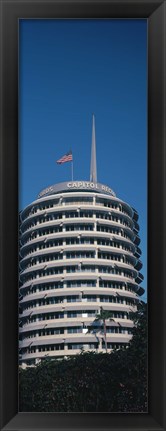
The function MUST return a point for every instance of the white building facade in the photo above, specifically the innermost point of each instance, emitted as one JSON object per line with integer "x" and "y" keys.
{"x": 79, "y": 252}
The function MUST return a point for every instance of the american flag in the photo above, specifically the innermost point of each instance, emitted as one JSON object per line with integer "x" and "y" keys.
{"x": 66, "y": 158}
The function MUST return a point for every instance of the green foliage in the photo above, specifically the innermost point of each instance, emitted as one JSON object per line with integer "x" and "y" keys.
{"x": 91, "y": 382}
{"x": 104, "y": 315}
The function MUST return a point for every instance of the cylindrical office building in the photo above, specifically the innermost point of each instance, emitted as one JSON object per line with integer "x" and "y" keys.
{"x": 79, "y": 253}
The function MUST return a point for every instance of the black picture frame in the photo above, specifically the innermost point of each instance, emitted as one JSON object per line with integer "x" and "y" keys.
{"x": 155, "y": 13}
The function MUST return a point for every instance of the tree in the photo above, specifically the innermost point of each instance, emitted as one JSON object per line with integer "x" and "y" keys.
{"x": 131, "y": 366}
{"x": 102, "y": 316}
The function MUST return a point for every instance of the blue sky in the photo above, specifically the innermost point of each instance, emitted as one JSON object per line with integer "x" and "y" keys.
{"x": 69, "y": 69}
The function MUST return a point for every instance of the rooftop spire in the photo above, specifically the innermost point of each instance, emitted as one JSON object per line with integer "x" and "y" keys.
{"x": 93, "y": 167}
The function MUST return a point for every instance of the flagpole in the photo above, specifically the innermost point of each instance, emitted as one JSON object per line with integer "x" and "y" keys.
{"x": 72, "y": 170}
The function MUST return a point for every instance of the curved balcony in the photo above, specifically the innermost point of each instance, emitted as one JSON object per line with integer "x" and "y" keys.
{"x": 77, "y": 234}
{"x": 82, "y": 306}
{"x": 78, "y": 196}
{"x": 74, "y": 338}
{"x": 30, "y": 327}
{"x": 66, "y": 352}
{"x": 78, "y": 266}
{"x": 65, "y": 292}
{"x": 78, "y": 248}
{"x": 82, "y": 276}
{"x": 137, "y": 240}
{"x": 94, "y": 217}
{"x": 64, "y": 211}
{"x": 64, "y": 323}
{"x": 138, "y": 265}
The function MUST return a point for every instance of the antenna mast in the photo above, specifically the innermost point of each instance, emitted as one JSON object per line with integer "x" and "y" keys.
{"x": 93, "y": 166}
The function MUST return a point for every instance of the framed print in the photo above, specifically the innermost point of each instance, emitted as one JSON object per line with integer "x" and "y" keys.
{"x": 82, "y": 274}
{"x": 33, "y": 351}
